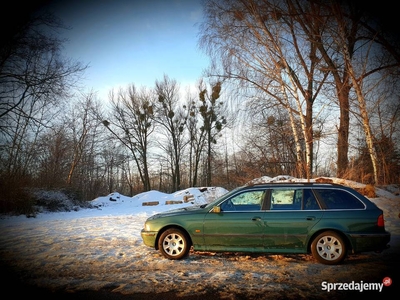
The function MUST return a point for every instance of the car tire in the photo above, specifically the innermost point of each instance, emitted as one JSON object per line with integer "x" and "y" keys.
{"x": 173, "y": 244}
{"x": 329, "y": 248}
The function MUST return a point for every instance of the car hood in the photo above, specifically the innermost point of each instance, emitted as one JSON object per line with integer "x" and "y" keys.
{"x": 178, "y": 211}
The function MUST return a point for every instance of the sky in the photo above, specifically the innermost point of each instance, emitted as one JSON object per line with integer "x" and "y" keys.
{"x": 100, "y": 249}
{"x": 136, "y": 41}
{"x": 133, "y": 41}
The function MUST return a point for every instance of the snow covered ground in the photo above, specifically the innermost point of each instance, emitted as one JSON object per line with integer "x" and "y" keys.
{"x": 100, "y": 251}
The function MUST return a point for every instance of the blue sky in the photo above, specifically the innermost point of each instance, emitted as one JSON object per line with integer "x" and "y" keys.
{"x": 133, "y": 41}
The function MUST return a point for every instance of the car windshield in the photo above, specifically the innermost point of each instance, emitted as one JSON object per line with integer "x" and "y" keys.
{"x": 224, "y": 196}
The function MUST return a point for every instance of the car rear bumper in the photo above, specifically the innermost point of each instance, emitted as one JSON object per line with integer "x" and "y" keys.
{"x": 370, "y": 242}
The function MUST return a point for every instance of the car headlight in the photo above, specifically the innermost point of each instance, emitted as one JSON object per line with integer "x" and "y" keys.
{"x": 147, "y": 227}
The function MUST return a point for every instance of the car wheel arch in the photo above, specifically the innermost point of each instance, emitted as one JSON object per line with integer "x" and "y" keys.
{"x": 345, "y": 238}
{"x": 162, "y": 230}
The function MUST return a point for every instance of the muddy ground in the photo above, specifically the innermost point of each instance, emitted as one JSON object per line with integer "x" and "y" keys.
{"x": 205, "y": 276}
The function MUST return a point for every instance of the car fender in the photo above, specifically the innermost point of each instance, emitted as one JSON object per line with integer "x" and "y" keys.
{"x": 324, "y": 226}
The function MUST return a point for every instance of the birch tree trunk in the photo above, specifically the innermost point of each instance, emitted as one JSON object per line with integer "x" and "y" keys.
{"x": 293, "y": 125}
{"x": 357, "y": 85}
{"x": 366, "y": 126}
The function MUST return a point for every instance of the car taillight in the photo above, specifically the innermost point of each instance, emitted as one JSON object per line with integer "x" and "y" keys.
{"x": 381, "y": 221}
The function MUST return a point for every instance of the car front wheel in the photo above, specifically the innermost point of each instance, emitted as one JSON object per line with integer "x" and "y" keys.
{"x": 173, "y": 244}
{"x": 329, "y": 248}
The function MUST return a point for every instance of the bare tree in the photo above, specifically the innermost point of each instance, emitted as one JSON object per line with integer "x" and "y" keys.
{"x": 269, "y": 141}
{"x": 388, "y": 132}
{"x": 68, "y": 154}
{"x": 211, "y": 110}
{"x": 34, "y": 79}
{"x": 82, "y": 122}
{"x": 368, "y": 55}
{"x": 290, "y": 49}
{"x": 316, "y": 19}
{"x": 172, "y": 118}
{"x": 259, "y": 45}
{"x": 131, "y": 123}
{"x": 51, "y": 160}
{"x": 31, "y": 67}
{"x": 196, "y": 139}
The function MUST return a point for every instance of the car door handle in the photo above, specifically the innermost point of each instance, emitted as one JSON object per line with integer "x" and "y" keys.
{"x": 310, "y": 218}
{"x": 256, "y": 219}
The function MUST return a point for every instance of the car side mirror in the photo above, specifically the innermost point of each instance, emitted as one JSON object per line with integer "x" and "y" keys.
{"x": 216, "y": 209}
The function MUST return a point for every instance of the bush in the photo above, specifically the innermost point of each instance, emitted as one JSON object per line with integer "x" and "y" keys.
{"x": 18, "y": 200}
{"x": 14, "y": 198}
{"x": 58, "y": 200}
{"x": 368, "y": 191}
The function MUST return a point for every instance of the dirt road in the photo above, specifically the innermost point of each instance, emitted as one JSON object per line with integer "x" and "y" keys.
{"x": 208, "y": 276}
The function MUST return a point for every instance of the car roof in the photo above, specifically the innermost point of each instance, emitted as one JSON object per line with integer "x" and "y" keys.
{"x": 305, "y": 184}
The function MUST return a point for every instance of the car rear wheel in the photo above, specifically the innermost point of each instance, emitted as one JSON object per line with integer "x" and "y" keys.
{"x": 329, "y": 248}
{"x": 173, "y": 244}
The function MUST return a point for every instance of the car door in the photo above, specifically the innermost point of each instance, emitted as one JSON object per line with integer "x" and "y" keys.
{"x": 238, "y": 226}
{"x": 292, "y": 214}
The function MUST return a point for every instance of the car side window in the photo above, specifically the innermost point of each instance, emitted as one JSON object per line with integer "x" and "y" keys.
{"x": 286, "y": 199}
{"x": 309, "y": 201}
{"x": 249, "y": 200}
{"x": 338, "y": 199}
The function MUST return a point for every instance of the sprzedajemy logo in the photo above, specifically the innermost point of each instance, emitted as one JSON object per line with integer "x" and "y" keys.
{"x": 355, "y": 286}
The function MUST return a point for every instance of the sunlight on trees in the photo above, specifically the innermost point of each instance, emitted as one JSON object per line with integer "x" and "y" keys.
{"x": 293, "y": 54}
{"x": 301, "y": 88}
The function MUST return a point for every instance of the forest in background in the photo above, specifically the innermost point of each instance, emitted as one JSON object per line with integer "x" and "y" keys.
{"x": 301, "y": 88}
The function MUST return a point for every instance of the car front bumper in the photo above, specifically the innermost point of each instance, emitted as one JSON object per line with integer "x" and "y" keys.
{"x": 149, "y": 238}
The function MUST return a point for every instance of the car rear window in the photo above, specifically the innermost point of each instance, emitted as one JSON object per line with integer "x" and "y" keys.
{"x": 310, "y": 203}
{"x": 338, "y": 199}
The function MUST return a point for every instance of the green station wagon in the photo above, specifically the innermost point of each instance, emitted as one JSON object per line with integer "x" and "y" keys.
{"x": 327, "y": 220}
